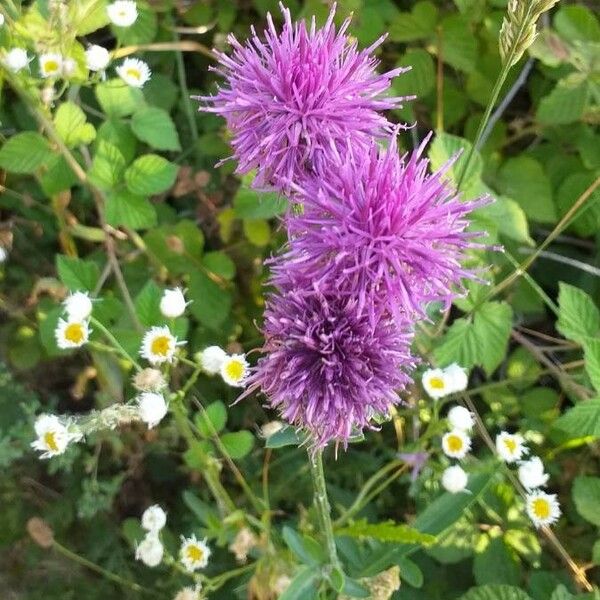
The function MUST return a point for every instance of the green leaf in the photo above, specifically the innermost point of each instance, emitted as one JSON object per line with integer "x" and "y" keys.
{"x": 118, "y": 133}
{"x": 58, "y": 176}
{"x": 591, "y": 349}
{"x": 578, "y": 316}
{"x": 147, "y": 304}
{"x": 108, "y": 166}
{"x": 304, "y": 547}
{"x": 459, "y": 45}
{"x": 117, "y": 99}
{"x": 507, "y": 217}
{"x": 238, "y": 444}
{"x": 523, "y": 179}
{"x": 212, "y": 420}
{"x": 411, "y": 572}
{"x": 577, "y": 24}
{"x": 71, "y": 126}
{"x": 127, "y": 210}
{"x": 586, "y": 493}
{"x": 87, "y": 16}
{"x": 582, "y": 420}
{"x": 564, "y": 104}
{"x": 386, "y": 531}
{"x": 561, "y": 593}
{"x": 420, "y": 80}
{"x": 257, "y": 231}
{"x": 415, "y": 25}
{"x": 496, "y": 564}
{"x": 302, "y": 586}
{"x": 250, "y": 204}
{"x": 219, "y": 263}
{"x": 150, "y": 174}
{"x": 284, "y": 437}
{"x": 24, "y": 152}
{"x": 481, "y": 340}
{"x": 210, "y": 302}
{"x": 155, "y": 127}
{"x": 143, "y": 31}
{"x": 77, "y": 274}
{"x": 495, "y": 592}
{"x": 206, "y": 513}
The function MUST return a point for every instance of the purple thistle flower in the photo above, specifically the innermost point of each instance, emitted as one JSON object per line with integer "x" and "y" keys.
{"x": 298, "y": 96}
{"x": 378, "y": 227}
{"x": 328, "y": 367}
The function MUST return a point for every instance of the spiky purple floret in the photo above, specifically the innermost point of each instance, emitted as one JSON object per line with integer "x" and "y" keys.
{"x": 296, "y": 96}
{"x": 328, "y": 367}
{"x": 378, "y": 226}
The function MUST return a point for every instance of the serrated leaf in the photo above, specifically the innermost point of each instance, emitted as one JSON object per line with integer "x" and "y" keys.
{"x": 591, "y": 349}
{"x": 561, "y": 593}
{"x": 77, "y": 274}
{"x": 211, "y": 303}
{"x": 577, "y": 24}
{"x": 496, "y": 564}
{"x": 218, "y": 262}
{"x": 257, "y": 231}
{"x": 87, "y": 16}
{"x": 586, "y": 492}
{"x": 118, "y": 133}
{"x": 387, "y": 531}
{"x": 143, "y": 30}
{"x": 108, "y": 166}
{"x": 415, "y": 25}
{"x": 127, "y": 210}
{"x": 250, "y": 204}
{"x": 578, "y": 316}
{"x": 117, "y": 99}
{"x": 459, "y": 45}
{"x": 507, "y": 217}
{"x": 58, "y": 176}
{"x": 420, "y": 80}
{"x": 495, "y": 592}
{"x": 147, "y": 304}
{"x": 564, "y": 104}
{"x": 212, "y": 420}
{"x": 582, "y": 420}
{"x": 24, "y": 152}
{"x": 71, "y": 126}
{"x": 150, "y": 174}
{"x": 155, "y": 127}
{"x": 238, "y": 443}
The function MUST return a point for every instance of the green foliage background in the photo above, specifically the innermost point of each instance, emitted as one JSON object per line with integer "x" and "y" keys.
{"x": 171, "y": 217}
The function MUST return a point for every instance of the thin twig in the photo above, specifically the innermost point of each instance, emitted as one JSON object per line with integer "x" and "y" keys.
{"x": 181, "y": 46}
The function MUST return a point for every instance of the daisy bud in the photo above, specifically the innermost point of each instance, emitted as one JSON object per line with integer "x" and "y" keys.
{"x": 16, "y": 59}
{"x": 78, "y": 306}
{"x": 149, "y": 380}
{"x": 194, "y": 553}
{"x": 458, "y": 378}
{"x": 3, "y": 254}
{"x": 531, "y": 473}
{"x": 1, "y": 19}
{"x": 172, "y": 303}
{"x": 543, "y": 509}
{"x": 461, "y": 418}
{"x": 234, "y": 370}
{"x": 97, "y": 58}
{"x": 152, "y": 408}
{"x": 436, "y": 383}
{"x": 189, "y": 593}
{"x": 150, "y": 550}
{"x": 154, "y": 518}
{"x": 122, "y": 13}
{"x": 456, "y": 444}
{"x": 68, "y": 67}
{"x": 244, "y": 541}
{"x": 211, "y": 359}
{"x": 454, "y": 479}
{"x": 510, "y": 447}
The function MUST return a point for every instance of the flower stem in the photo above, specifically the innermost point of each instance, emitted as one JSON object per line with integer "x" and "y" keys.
{"x": 315, "y": 459}
{"x": 113, "y": 340}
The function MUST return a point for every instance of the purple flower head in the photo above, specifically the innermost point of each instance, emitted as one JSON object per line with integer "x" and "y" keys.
{"x": 328, "y": 367}
{"x": 379, "y": 227}
{"x": 295, "y": 97}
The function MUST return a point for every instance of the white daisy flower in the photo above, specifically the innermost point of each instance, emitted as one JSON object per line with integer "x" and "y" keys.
{"x": 71, "y": 333}
{"x": 436, "y": 383}
{"x": 194, "y": 553}
{"x": 456, "y": 443}
{"x": 458, "y": 378}
{"x": 234, "y": 370}
{"x": 97, "y": 58}
{"x": 543, "y": 509}
{"x": 154, "y": 518}
{"x": 461, "y": 418}
{"x": 51, "y": 64}
{"x": 68, "y": 67}
{"x": 152, "y": 408}
{"x": 78, "y": 306}
{"x": 1, "y": 19}
{"x": 211, "y": 359}
{"x": 189, "y": 593}
{"x": 53, "y": 436}
{"x": 134, "y": 72}
{"x": 3, "y": 254}
{"x": 531, "y": 473}
{"x": 16, "y": 59}
{"x": 454, "y": 479}
{"x": 122, "y": 13}
{"x": 510, "y": 447}
{"x": 150, "y": 550}
{"x": 172, "y": 303}
{"x": 159, "y": 345}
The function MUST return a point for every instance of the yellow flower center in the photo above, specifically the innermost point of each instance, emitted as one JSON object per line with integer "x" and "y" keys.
{"x": 234, "y": 370}
{"x": 134, "y": 73}
{"x": 437, "y": 383}
{"x": 194, "y": 553}
{"x": 455, "y": 443}
{"x": 50, "y": 441}
{"x": 541, "y": 508}
{"x": 50, "y": 66}
{"x": 75, "y": 333}
{"x": 511, "y": 445}
{"x": 160, "y": 345}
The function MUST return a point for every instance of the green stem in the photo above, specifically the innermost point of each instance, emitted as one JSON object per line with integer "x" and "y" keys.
{"x": 315, "y": 459}
{"x": 113, "y": 340}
